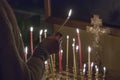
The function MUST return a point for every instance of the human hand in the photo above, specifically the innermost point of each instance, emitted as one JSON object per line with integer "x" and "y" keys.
{"x": 48, "y": 46}
{"x": 52, "y": 44}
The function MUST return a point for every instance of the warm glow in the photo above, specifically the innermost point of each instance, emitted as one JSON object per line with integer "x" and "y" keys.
{"x": 46, "y": 62}
{"x": 41, "y": 31}
{"x": 26, "y": 50}
{"x": 31, "y": 29}
{"x": 77, "y": 47}
{"x": 77, "y": 30}
{"x": 104, "y": 68}
{"x": 89, "y": 49}
{"x": 92, "y": 64}
{"x": 67, "y": 36}
{"x": 45, "y": 30}
{"x": 84, "y": 71}
{"x": 61, "y": 51}
{"x": 97, "y": 69}
{"x": 84, "y": 66}
{"x": 70, "y": 12}
{"x": 73, "y": 45}
{"x": 73, "y": 39}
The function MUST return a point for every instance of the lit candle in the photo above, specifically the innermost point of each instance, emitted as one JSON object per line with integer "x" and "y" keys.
{"x": 74, "y": 57}
{"x": 92, "y": 64}
{"x": 68, "y": 17}
{"x": 97, "y": 71}
{"x": 77, "y": 47}
{"x": 89, "y": 51}
{"x": 40, "y": 35}
{"x": 79, "y": 44}
{"x": 45, "y": 33}
{"x": 31, "y": 40}
{"x": 26, "y": 52}
{"x": 104, "y": 71}
{"x": 84, "y": 71}
{"x": 69, "y": 14}
{"x": 67, "y": 49}
{"x": 60, "y": 60}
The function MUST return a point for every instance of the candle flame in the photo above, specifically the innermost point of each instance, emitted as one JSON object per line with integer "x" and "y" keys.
{"x": 104, "y": 68}
{"x": 73, "y": 45}
{"x": 46, "y": 62}
{"x": 89, "y": 49}
{"x": 84, "y": 66}
{"x": 31, "y": 29}
{"x": 26, "y": 50}
{"x": 73, "y": 39}
{"x": 69, "y": 14}
{"x": 61, "y": 51}
{"x": 97, "y": 69}
{"x": 77, "y": 30}
{"x": 67, "y": 36}
{"x": 77, "y": 47}
{"x": 92, "y": 64}
{"x": 41, "y": 31}
{"x": 45, "y": 30}
{"x": 84, "y": 70}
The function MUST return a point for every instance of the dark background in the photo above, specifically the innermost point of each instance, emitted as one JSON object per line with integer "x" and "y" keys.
{"x": 108, "y": 10}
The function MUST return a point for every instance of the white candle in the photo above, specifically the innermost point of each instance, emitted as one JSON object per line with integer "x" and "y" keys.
{"x": 104, "y": 70}
{"x": 46, "y": 62}
{"x": 92, "y": 64}
{"x": 77, "y": 47}
{"x": 84, "y": 65}
{"x": 67, "y": 47}
{"x": 40, "y": 35}
{"x": 84, "y": 71}
{"x": 45, "y": 33}
{"x": 26, "y": 52}
{"x": 69, "y": 14}
{"x": 97, "y": 70}
{"x": 89, "y": 51}
{"x": 74, "y": 57}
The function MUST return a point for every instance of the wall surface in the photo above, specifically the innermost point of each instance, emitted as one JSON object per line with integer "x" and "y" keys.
{"x": 109, "y": 52}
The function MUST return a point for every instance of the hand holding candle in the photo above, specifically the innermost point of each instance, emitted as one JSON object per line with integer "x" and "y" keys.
{"x": 69, "y": 14}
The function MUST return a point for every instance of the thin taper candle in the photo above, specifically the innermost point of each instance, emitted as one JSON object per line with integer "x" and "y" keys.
{"x": 40, "y": 35}
{"x": 31, "y": 40}
{"x": 26, "y": 52}
{"x": 45, "y": 33}
{"x": 67, "y": 49}
{"x": 79, "y": 44}
{"x": 69, "y": 14}
{"x": 74, "y": 58}
{"x": 89, "y": 69}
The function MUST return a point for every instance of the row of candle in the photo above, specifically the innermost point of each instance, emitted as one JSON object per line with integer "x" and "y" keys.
{"x": 31, "y": 40}
{"x": 78, "y": 48}
{"x": 91, "y": 69}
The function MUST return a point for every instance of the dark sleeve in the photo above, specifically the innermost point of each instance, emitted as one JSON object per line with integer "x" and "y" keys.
{"x": 12, "y": 67}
